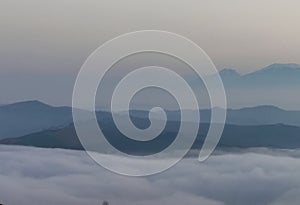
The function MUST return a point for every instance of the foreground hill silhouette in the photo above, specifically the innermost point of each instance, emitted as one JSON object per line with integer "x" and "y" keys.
{"x": 271, "y": 136}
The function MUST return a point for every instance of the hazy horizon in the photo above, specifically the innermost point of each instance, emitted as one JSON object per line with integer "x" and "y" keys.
{"x": 243, "y": 90}
{"x": 44, "y": 44}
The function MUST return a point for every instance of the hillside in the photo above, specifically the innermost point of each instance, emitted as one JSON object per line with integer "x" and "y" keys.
{"x": 272, "y": 136}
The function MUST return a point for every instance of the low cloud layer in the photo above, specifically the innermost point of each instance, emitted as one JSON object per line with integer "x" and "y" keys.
{"x": 32, "y": 176}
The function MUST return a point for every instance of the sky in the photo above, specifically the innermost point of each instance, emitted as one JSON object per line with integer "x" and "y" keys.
{"x": 258, "y": 176}
{"x": 44, "y": 43}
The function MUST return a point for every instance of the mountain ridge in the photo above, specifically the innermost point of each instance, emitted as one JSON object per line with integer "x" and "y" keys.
{"x": 272, "y": 67}
{"x": 28, "y": 117}
{"x": 234, "y": 136}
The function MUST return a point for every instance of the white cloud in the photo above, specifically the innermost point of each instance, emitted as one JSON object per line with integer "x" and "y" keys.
{"x": 32, "y": 176}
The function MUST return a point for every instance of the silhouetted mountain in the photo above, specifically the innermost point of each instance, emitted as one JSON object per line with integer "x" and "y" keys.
{"x": 272, "y": 136}
{"x": 263, "y": 115}
{"x": 260, "y": 115}
{"x": 229, "y": 74}
{"x": 60, "y": 138}
{"x": 277, "y": 72}
{"x": 285, "y": 74}
{"x": 277, "y": 84}
{"x": 23, "y": 118}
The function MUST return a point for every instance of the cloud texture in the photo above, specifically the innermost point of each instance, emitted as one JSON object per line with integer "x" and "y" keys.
{"x": 32, "y": 176}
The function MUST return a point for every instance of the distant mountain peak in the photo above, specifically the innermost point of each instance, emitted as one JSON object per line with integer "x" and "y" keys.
{"x": 30, "y": 103}
{"x": 282, "y": 66}
{"x": 263, "y": 107}
{"x": 229, "y": 72}
{"x": 285, "y": 73}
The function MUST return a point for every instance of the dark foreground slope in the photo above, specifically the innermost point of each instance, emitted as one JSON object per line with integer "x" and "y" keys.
{"x": 271, "y": 136}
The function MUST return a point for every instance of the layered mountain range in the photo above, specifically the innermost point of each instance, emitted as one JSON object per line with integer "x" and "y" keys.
{"x": 37, "y": 124}
{"x": 34, "y": 123}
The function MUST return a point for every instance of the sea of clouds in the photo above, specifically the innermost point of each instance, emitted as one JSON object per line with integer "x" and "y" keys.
{"x": 34, "y": 176}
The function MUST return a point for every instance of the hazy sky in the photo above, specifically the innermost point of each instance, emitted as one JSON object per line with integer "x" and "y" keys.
{"x": 52, "y": 38}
